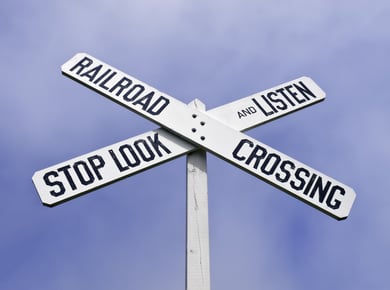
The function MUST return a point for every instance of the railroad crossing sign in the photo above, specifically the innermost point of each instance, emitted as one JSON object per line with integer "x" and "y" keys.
{"x": 185, "y": 129}
{"x": 189, "y": 129}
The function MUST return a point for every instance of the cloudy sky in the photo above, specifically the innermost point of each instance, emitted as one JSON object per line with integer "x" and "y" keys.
{"x": 131, "y": 234}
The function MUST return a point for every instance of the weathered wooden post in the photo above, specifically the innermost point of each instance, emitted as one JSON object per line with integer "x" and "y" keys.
{"x": 197, "y": 248}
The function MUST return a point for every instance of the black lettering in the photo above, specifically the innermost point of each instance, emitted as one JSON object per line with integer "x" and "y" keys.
{"x": 146, "y": 157}
{"x": 96, "y": 166}
{"x": 276, "y": 160}
{"x": 294, "y": 94}
{"x": 322, "y": 190}
{"x": 302, "y": 182}
{"x": 305, "y": 91}
{"x": 156, "y": 143}
{"x": 65, "y": 170}
{"x": 309, "y": 185}
{"x": 102, "y": 76}
{"x": 256, "y": 156}
{"x": 247, "y": 111}
{"x": 159, "y": 105}
{"x": 61, "y": 188}
{"x": 238, "y": 148}
{"x": 251, "y": 110}
{"x": 334, "y": 203}
{"x": 144, "y": 101}
{"x": 124, "y": 83}
{"x": 261, "y": 108}
{"x": 287, "y": 173}
{"x": 117, "y": 162}
{"x": 139, "y": 89}
{"x": 82, "y": 64}
{"x": 281, "y": 105}
{"x": 269, "y": 104}
{"x": 92, "y": 73}
{"x": 240, "y": 115}
{"x": 132, "y": 163}
{"x": 85, "y": 180}
{"x": 103, "y": 83}
{"x": 281, "y": 91}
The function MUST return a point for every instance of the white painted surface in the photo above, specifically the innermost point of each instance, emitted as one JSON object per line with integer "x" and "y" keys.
{"x": 270, "y": 104}
{"x": 197, "y": 127}
{"x": 197, "y": 253}
{"x": 62, "y": 181}
{"x": 110, "y": 173}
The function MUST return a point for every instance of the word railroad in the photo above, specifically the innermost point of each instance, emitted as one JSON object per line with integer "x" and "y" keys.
{"x": 186, "y": 129}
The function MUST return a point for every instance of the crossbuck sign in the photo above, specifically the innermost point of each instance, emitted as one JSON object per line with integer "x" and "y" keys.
{"x": 186, "y": 129}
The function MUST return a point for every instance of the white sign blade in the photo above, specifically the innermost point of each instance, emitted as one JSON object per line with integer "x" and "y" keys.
{"x": 270, "y": 104}
{"x": 199, "y": 128}
{"x": 278, "y": 169}
{"x": 149, "y": 102}
{"x": 85, "y": 173}
{"x": 230, "y": 113}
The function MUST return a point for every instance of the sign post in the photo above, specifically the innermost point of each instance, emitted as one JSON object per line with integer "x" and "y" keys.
{"x": 197, "y": 252}
{"x": 189, "y": 129}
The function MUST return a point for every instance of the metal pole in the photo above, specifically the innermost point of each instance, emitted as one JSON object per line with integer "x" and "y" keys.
{"x": 197, "y": 255}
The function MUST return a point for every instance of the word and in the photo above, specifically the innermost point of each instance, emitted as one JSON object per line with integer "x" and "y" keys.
{"x": 280, "y": 99}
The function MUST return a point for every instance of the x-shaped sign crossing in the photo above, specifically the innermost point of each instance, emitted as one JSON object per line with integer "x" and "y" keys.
{"x": 185, "y": 129}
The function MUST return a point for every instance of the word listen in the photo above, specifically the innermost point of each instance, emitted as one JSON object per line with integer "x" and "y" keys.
{"x": 123, "y": 87}
{"x": 280, "y": 99}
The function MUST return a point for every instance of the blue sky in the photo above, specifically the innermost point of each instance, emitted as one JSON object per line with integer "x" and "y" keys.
{"x": 131, "y": 234}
